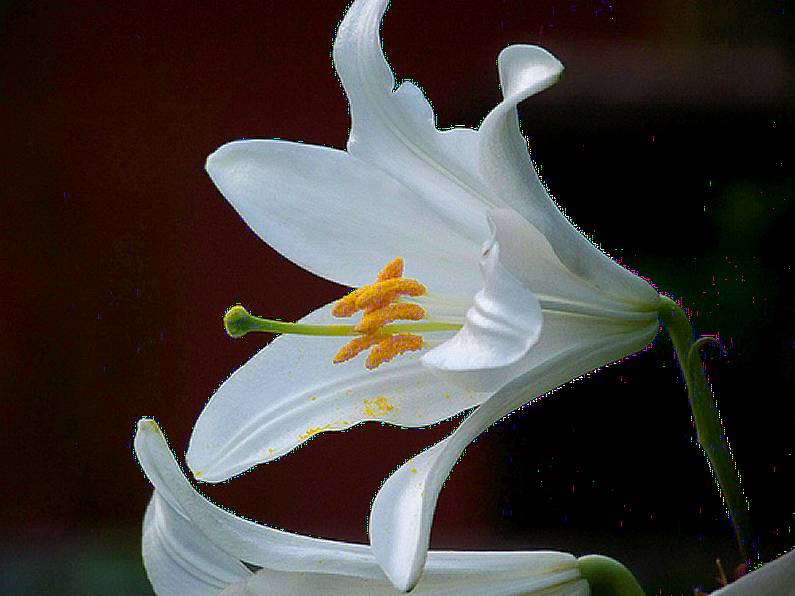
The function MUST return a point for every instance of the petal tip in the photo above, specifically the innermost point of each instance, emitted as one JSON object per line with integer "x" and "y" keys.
{"x": 526, "y": 70}
{"x": 205, "y": 469}
{"x": 148, "y": 425}
{"x": 197, "y": 469}
{"x": 216, "y": 159}
{"x": 403, "y": 578}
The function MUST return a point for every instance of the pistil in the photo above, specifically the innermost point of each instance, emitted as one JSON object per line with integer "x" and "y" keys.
{"x": 382, "y": 303}
{"x": 239, "y": 322}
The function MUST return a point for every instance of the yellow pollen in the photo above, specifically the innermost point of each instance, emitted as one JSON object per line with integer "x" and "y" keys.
{"x": 393, "y": 269}
{"x": 355, "y": 346}
{"x": 346, "y": 306}
{"x": 391, "y": 346}
{"x": 379, "y": 303}
{"x": 382, "y": 293}
{"x": 312, "y": 431}
{"x": 380, "y": 406}
{"x": 375, "y": 319}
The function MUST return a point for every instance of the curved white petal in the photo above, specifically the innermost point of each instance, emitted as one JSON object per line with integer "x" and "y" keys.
{"x": 339, "y": 217}
{"x": 565, "y": 581}
{"x": 506, "y": 166}
{"x": 502, "y": 324}
{"x": 569, "y": 346}
{"x": 395, "y": 129}
{"x": 529, "y": 269}
{"x": 182, "y": 525}
{"x": 776, "y": 578}
{"x": 179, "y": 559}
{"x": 291, "y": 390}
{"x": 531, "y": 257}
{"x": 240, "y": 538}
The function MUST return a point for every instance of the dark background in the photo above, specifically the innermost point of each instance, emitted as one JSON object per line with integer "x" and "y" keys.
{"x": 669, "y": 140}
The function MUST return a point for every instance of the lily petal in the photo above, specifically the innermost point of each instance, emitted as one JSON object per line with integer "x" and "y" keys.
{"x": 565, "y": 581}
{"x": 502, "y": 324}
{"x": 512, "y": 292}
{"x": 291, "y": 391}
{"x": 402, "y": 513}
{"x": 178, "y": 557}
{"x": 395, "y": 129}
{"x": 238, "y": 537}
{"x": 776, "y": 578}
{"x": 339, "y": 217}
{"x": 191, "y": 543}
{"x": 554, "y": 283}
{"x": 507, "y": 168}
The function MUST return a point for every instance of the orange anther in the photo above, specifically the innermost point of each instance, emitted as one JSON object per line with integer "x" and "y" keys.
{"x": 393, "y": 269}
{"x": 355, "y": 346}
{"x": 382, "y": 293}
{"x": 375, "y": 319}
{"x": 391, "y": 346}
{"x": 346, "y": 306}
{"x": 379, "y": 303}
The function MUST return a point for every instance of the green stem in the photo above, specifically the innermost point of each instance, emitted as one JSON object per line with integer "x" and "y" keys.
{"x": 608, "y": 577}
{"x": 709, "y": 427}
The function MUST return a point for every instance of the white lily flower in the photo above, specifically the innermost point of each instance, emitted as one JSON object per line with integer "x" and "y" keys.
{"x": 191, "y": 546}
{"x": 548, "y": 307}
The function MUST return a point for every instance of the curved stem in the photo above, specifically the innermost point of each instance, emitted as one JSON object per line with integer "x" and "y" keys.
{"x": 608, "y": 577}
{"x": 709, "y": 427}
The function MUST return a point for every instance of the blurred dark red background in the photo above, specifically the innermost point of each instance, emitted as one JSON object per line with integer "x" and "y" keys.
{"x": 669, "y": 139}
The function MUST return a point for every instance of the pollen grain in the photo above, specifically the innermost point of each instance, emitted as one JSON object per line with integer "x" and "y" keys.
{"x": 391, "y": 346}
{"x": 382, "y": 293}
{"x": 354, "y": 347}
{"x": 378, "y": 301}
{"x": 375, "y": 319}
{"x": 393, "y": 269}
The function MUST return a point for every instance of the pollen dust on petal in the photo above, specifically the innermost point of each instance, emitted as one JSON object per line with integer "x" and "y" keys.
{"x": 378, "y": 407}
{"x": 313, "y": 430}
